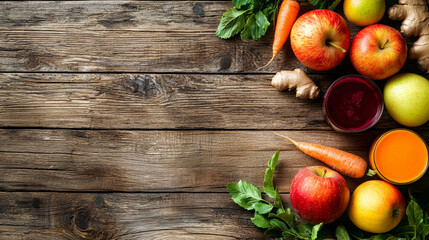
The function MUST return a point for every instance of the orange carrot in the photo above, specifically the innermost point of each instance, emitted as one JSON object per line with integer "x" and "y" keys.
{"x": 285, "y": 20}
{"x": 344, "y": 162}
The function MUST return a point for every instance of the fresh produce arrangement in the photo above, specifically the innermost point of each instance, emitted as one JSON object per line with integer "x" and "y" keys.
{"x": 375, "y": 206}
{"x": 320, "y": 39}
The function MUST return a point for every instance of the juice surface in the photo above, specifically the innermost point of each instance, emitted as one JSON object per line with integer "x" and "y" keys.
{"x": 401, "y": 156}
{"x": 353, "y": 103}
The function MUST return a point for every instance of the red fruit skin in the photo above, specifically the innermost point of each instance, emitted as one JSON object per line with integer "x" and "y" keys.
{"x": 319, "y": 199}
{"x": 371, "y": 61}
{"x": 309, "y": 36}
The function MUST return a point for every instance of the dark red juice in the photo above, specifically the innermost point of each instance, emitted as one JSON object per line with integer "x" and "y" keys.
{"x": 353, "y": 103}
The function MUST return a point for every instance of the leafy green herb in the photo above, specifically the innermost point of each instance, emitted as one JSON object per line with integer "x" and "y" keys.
{"x": 278, "y": 201}
{"x": 232, "y": 22}
{"x": 268, "y": 179}
{"x": 326, "y": 4}
{"x": 250, "y": 17}
{"x": 239, "y": 3}
{"x": 260, "y": 221}
{"x": 263, "y": 208}
{"x": 244, "y": 194}
{"x": 341, "y": 233}
{"x": 274, "y": 219}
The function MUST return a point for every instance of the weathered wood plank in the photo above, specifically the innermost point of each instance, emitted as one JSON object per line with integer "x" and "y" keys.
{"x": 154, "y": 101}
{"x": 120, "y": 37}
{"x": 158, "y": 161}
{"x": 124, "y": 216}
{"x": 152, "y": 16}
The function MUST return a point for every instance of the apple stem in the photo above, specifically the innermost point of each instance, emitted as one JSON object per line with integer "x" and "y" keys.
{"x": 324, "y": 172}
{"x": 337, "y": 46}
{"x": 384, "y": 44}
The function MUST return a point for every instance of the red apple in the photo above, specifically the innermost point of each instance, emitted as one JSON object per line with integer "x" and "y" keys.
{"x": 378, "y": 51}
{"x": 320, "y": 39}
{"x": 319, "y": 194}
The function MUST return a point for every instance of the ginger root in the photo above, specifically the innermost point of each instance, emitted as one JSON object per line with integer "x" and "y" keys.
{"x": 296, "y": 79}
{"x": 415, "y": 16}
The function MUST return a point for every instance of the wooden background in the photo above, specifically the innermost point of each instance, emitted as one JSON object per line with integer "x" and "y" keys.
{"x": 126, "y": 119}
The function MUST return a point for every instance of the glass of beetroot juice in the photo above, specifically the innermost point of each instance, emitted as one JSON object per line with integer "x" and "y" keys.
{"x": 352, "y": 103}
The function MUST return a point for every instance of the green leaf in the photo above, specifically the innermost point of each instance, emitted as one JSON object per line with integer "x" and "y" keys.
{"x": 315, "y": 231}
{"x": 273, "y": 232}
{"x": 262, "y": 208}
{"x": 288, "y": 218}
{"x": 231, "y": 23}
{"x": 256, "y": 26}
{"x": 260, "y": 221}
{"x": 277, "y": 200}
{"x": 425, "y": 231}
{"x": 414, "y": 213}
{"x": 268, "y": 179}
{"x": 239, "y": 3}
{"x": 277, "y": 223}
{"x": 269, "y": 13}
{"x": 395, "y": 238}
{"x": 341, "y": 233}
{"x": 305, "y": 229}
{"x": 288, "y": 235}
{"x": 244, "y": 194}
{"x": 415, "y": 218}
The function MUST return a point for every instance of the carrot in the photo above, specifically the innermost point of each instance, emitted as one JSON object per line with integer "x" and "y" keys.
{"x": 285, "y": 20}
{"x": 343, "y": 162}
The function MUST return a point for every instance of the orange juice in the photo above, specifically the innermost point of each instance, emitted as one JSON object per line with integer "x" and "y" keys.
{"x": 399, "y": 156}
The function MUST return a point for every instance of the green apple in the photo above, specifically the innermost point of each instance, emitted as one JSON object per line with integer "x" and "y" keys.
{"x": 406, "y": 97}
{"x": 364, "y": 12}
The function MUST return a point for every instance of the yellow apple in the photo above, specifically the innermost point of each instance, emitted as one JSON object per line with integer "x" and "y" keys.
{"x": 406, "y": 97}
{"x": 364, "y": 12}
{"x": 376, "y": 206}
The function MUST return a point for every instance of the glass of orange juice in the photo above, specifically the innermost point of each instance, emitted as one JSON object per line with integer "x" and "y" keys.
{"x": 399, "y": 156}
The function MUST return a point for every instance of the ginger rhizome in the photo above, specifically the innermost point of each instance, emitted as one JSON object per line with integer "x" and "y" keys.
{"x": 296, "y": 79}
{"x": 415, "y": 16}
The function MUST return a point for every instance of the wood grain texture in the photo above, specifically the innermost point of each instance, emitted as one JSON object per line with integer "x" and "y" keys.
{"x": 154, "y": 161}
{"x": 124, "y": 216}
{"x": 158, "y": 101}
{"x": 117, "y": 36}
